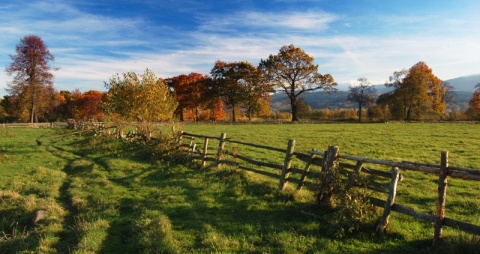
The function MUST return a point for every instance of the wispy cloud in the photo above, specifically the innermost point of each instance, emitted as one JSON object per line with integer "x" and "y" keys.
{"x": 89, "y": 48}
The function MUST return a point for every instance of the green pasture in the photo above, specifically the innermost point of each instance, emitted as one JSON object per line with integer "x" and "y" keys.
{"x": 107, "y": 196}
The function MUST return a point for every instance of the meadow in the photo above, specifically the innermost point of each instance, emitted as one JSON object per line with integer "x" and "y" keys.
{"x": 107, "y": 196}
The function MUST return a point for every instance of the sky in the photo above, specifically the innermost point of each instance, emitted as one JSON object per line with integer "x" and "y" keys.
{"x": 92, "y": 40}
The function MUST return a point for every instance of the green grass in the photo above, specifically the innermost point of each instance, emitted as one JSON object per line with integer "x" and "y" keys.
{"x": 105, "y": 196}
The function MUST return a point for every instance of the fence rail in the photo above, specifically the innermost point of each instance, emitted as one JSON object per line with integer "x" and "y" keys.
{"x": 31, "y": 125}
{"x": 325, "y": 160}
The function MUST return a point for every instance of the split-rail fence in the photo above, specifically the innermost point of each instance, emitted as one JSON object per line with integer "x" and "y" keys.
{"x": 325, "y": 159}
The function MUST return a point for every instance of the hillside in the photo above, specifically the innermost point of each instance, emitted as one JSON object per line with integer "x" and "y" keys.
{"x": 464, "y": 87}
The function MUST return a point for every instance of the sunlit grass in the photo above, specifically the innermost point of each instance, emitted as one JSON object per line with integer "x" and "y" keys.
{"x": 105, "y": 196}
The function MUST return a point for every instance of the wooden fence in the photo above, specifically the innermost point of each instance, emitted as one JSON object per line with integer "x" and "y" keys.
{"x": 29, "y": 125}
{"x": 326, "y": 159}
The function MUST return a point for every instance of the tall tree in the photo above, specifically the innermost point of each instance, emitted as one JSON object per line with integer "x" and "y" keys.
{"x": 293, "y": 71}
{"x": 361, "y": 94}
{"x": 33, "y": 79}
{"x": 232, "y": 82}
{"x": 417, "y": 93}
{"x": 189, "y": 90}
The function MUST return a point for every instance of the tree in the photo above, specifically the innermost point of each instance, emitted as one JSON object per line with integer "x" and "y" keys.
{"x": 33, "y": 81}
{"x": 189, "y": 90}
{"x": 361, "y": 94}
{"x": 448, "y": 93}
{"x": 293, "y": 72}
{"x": 417, "y": 93}
{"x": 3, "y": 113}
{"x": 89, "y": 105}
{"x": 143, "y": 98}
{"x": 234, "y": 82}
{"x": 474, "y": 105}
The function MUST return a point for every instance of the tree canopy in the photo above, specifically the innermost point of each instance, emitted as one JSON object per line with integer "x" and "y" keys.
{"x": 417, "y": 93}
{"x": 293, "y": 72}
{"x": 238, "y": 84}
{"x": 32, "y": 86}
{"x": 139, "y": 97}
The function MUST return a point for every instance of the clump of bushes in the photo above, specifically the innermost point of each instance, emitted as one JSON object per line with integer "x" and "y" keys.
{"x": 344, "y": 201}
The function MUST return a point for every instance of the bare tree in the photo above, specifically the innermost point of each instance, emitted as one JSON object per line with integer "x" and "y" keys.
{"x": 361, "y": 94}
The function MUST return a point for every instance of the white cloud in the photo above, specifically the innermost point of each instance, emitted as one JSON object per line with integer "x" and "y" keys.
{"x": 89, "y": 49}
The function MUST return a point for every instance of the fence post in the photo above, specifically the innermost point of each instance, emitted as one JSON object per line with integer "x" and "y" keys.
{"x": 305, "y": 171}
{"x": 180, "y": 138}
{"x": 221, "y": 146}
{"x": 286, "y": 165}
{"x": 326, "y": 193}
{"x": 205, "y": 150}
{"x": 382, "y": 224}
{"x": 193, "y": 152}
{"x": 442, "y": 195}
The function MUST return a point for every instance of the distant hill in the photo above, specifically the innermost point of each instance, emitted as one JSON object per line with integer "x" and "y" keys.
{"x": 464, "y": 88}
{"x": 465, "y": 83}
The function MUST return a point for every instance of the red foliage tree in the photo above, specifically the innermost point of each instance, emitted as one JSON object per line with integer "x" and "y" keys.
{"x": 189, "y": 90}
{"x": 32, "y": 84}
{"x": 89, "y": 105}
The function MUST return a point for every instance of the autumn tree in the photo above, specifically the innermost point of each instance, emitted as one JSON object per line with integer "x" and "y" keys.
{"x": 90, "y": 105}
{"x": 234, "y": 82}
{"x": 417, "y": 93}
{"x": 257, "y": 92}
{"x": 3, "y": 113}
{"x": 361, "y": 94}
{"x": 32, "y": 83}
{"x": 293, "y": 72}
{"x": 139, "y": 97}
{"x": 213, "y": 102}
{"x": 189, "y": 90}
{"x": 474, "y": 105}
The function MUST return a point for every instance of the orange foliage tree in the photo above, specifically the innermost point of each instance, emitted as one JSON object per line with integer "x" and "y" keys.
{"x": 474, "y": 105}
{"x": 417, "y": 93}
{"x": 89, "y": 105}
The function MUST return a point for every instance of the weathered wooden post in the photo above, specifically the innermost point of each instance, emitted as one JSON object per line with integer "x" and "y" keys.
{"x": 382, "y": 224}
{"x": 327, "y": 177}
{"x": 205, "y": 150}
{"x": 192, "y": 139}
{"x": 221, "y": 147}
{"x": 286, "y": 165}
{"x": 306, "y": 170}
{"x": 193, "y": 151}
{"x": 180, "y": 138}
{"x": 442, "y": 198}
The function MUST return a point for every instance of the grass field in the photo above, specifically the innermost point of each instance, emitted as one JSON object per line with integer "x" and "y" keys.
{"x": 104, "y": 196}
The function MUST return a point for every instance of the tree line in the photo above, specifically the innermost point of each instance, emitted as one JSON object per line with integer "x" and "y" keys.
{"x": 231, "y": 88}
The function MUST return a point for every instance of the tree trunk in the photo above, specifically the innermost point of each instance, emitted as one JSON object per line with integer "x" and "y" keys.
{"x": 293, "y": 103}
{"x": 196, "y": 113}
{"x": 181, "y": 115}
{"x": 360, "y": 112}
{"x": 249, "y": 113}
{"x": 234, "y": 119}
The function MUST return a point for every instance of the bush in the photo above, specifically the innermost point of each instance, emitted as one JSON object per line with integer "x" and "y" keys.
{"x": 344, "y": 201}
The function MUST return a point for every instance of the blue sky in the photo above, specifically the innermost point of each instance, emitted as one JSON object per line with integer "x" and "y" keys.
{"x": 92, "y": 40}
